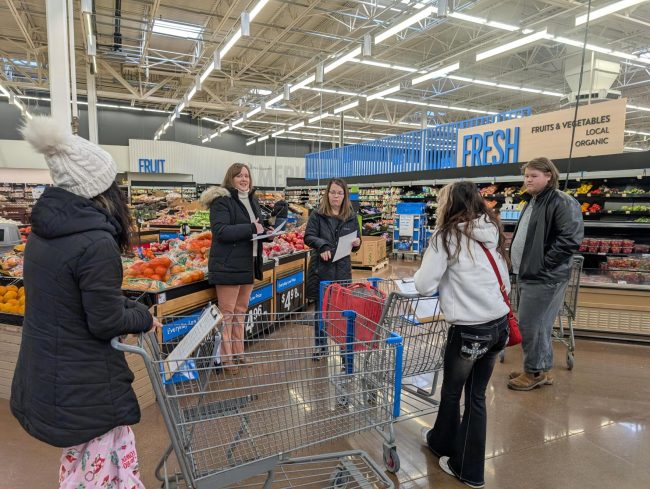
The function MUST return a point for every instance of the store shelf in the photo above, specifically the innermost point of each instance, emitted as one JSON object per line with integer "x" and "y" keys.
{"x": 603, "y": 224}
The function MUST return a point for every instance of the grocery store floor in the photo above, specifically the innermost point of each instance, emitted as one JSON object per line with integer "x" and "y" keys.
{"x": 591, "y": 429}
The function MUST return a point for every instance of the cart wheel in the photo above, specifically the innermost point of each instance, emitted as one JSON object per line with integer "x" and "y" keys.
{"x": 342, "y": 401}
{"x": 502, "y": 356}
{"x": 391, "y": 460}
{"x": 569, "y": 360}
{"x": 339, "y": 479}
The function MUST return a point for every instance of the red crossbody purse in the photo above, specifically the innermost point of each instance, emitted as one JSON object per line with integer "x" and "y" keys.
{"x": 515, "y": 334}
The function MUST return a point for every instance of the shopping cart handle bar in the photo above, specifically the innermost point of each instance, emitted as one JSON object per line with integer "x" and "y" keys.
{"x": 119, "y": 346}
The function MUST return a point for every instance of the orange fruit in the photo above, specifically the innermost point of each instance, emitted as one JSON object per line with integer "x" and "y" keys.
{"x": 21, "y": 292}
{"x": 161, "y": 271}
{"x": 11, "y": 294}
{"x": 147, "y": 272}
{"x": 12, "y": 288}
{"x": 155, "y": 277}
{"x": 165, "y": 261}
{"x": 3, "y": 289}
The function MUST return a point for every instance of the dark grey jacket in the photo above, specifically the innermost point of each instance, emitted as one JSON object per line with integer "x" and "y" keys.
{"x": 322, "y": 234}
{"x": 231, "y": 254}
{"x": 554, "y": 234}
{"x": 70, "y": 385}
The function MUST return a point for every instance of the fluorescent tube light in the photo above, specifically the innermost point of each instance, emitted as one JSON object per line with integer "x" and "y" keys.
{"x": 517, "y": 43}
{"x": 421, "y": 15}
{"x": 343, "y": 108}
{"x": 436, "y": 74}
{"x": 606, "y": 10}
{"x": 386, "y": 91}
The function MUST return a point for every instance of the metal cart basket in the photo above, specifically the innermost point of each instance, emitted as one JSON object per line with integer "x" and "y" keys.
{"x": 226, "y": 429}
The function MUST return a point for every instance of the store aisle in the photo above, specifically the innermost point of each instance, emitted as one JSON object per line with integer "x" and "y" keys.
{"x": 591, "y": 429}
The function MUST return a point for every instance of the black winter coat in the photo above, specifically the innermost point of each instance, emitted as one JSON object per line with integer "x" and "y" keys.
{"x": 554, "y": 234}
{"x": 322, "y": 234}
{"x": 280, "y": 210}
{"x": 70, "y": 385}
{"x": 231, "y": 254}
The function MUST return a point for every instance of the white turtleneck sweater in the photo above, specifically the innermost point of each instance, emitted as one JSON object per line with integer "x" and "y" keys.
{"x": 243, "y": 197}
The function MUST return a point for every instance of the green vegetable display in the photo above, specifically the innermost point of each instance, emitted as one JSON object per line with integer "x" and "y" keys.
{"x": 199, "y": 219}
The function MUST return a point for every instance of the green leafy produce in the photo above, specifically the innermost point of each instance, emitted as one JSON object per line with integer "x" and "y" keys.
{"x": 198, "y": 219}
{"x": 636, "y": 208}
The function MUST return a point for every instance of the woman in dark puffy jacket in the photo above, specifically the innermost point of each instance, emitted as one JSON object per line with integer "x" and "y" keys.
{"x": 333, "y": 219}
{"x": 71, "y": 389}
{"x": 235, "y": 260}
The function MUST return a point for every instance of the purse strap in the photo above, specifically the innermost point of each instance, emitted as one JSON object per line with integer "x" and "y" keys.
{"x": 502, "y": 287}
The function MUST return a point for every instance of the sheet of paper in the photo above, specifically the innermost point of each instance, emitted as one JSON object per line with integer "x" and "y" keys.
{"x": 425, "y": 307}
{"x": 344, "y": 248}
{"x": 275, "y": 232}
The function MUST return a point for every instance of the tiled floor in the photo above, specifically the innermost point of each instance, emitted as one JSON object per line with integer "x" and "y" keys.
{"x": 589, "y": 430}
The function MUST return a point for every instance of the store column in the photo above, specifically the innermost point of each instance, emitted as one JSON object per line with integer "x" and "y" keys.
{"x": 93, "y": 136}
{"x": 58, "y": 62}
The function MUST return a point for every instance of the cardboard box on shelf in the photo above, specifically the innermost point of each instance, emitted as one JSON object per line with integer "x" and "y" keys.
{"x": 373, "y": 250}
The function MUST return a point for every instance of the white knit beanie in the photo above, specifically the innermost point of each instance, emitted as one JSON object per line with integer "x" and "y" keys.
{"x": 76, "y": 165}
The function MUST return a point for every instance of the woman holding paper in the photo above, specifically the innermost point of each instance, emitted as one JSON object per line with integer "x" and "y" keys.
{"x": 466, "y": 253}
{"x": 333, "y": 220}
{"x": 235, "y": 259}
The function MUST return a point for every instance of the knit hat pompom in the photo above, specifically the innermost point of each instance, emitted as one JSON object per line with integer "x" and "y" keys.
{"x": 46, "y": 135}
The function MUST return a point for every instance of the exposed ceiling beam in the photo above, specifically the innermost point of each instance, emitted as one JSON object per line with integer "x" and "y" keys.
{"x": 21, "y": 24}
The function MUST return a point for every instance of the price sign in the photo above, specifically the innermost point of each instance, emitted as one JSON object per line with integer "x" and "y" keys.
{"x": 259, "y": 310}
{"x": 406, "y": 225}
{"x": 289, "y": 293}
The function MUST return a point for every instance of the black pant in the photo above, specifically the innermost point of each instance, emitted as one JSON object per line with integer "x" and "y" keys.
{"x": 470, "y": 356}
{"x": 320, "y": 337}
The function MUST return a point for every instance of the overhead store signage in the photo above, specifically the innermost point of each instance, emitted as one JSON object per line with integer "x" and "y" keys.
{"x": 599, "y": 131}
{"x": 146, "y": 165}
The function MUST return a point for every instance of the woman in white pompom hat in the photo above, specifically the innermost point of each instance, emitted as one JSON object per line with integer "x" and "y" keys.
{"x": 71, "y": 389}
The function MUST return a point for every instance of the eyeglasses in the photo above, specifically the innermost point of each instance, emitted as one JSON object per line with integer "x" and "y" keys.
{"x": 334, "y": 192}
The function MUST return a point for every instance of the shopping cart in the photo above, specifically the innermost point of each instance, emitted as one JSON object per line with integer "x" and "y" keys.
{"x": 241, "y": 430}
{"x": 567, "y": 312}
{"x": 418, "y": 320}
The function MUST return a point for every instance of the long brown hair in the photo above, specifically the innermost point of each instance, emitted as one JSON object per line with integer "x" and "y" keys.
{"x": 234, "y": 170}
{"x": 346, "y": 206}
{"x": 114, "y": 202}
{"x": 545, "y": 166}
{"x": 461, "y": 203}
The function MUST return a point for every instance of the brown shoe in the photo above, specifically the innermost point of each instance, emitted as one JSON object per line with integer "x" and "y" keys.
{"x": 230, "y": 370}
{"x": 527, "y": 382}
{"x": 549, "y": 376}
{"x": 241, "y": 360}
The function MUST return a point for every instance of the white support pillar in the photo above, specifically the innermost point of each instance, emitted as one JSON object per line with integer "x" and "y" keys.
{"x": 93, "y": 135}
{"x": 59, "y": 66}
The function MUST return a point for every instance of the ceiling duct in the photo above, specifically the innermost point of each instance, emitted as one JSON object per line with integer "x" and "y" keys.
{"x": 599, "y": 75}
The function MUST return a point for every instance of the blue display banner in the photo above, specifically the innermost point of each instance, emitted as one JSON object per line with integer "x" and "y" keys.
{"x": 260, "y": 295}
{"x": 179, "y": 327}
{"x": 165, "y": 236}
{"x": 290, "y": 281}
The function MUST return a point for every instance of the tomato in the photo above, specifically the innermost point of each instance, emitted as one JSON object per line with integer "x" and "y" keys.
{"x": 161, "y": 271}
{"x": 156, "y": 277}
{"x": 148, "y": 272}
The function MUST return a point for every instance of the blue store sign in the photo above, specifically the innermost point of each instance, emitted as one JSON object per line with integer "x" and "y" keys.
{"x": 491, "y": 147}
{"x": 260, "y": 295}
{"x": 146, "y": 165}
{"x": 290, "y": 281}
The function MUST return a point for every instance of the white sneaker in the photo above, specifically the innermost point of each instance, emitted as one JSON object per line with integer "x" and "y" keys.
{"x": 444, "y": 465}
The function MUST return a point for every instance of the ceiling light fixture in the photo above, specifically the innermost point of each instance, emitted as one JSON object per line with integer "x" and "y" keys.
{"x": 421, "y": 15}
{"x": 607, "y": 9}
{"x": 386, "y": 91}
{"x": 510, "y": 46}
{"x": 436, "y": 74}
{"x": 349, "y": 106}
